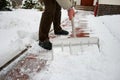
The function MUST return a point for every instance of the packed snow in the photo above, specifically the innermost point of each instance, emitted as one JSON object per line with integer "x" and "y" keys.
{"x": 19, "y": 29}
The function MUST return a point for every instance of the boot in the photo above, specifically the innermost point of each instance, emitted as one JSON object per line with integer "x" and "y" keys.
{"x": 62, "y": 32}
{"x": 46, "y": 45}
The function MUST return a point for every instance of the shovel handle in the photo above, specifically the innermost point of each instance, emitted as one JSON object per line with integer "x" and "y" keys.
{"x": 73, "y": 27}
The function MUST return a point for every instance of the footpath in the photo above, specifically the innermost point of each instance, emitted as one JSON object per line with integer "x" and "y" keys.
{"x": 35, "y": 60}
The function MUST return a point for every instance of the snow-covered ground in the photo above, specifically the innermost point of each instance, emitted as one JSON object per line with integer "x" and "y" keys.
{"x": 19, "y": 29}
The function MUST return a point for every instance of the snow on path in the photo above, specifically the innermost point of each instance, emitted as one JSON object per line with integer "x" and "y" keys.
{"x": 89, "y": 63}
{"x": 81, "y": 65}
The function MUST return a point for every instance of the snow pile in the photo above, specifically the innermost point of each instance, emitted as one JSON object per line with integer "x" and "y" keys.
{"x": 17, "y": 30}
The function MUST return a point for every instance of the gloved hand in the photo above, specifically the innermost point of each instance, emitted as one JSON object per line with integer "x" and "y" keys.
{"x": 71, "y": 13}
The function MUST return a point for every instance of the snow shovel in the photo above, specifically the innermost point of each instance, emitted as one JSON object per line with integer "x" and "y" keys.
{"x": 74, "y": 41}
{"x": 73, "y": 27}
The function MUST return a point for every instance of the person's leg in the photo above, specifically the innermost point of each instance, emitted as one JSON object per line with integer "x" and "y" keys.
{"x": 57, "y": 21}
{"x": 57, "y": 18}
{"x": 46, "y": 20}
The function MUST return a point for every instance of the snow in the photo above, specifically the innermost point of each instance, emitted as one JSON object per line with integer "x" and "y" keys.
{"x": 19, "y": 29}
{"x": 12, "y": 26}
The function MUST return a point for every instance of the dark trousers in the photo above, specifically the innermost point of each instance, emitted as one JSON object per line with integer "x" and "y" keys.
{"x": 51, "y": 14}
